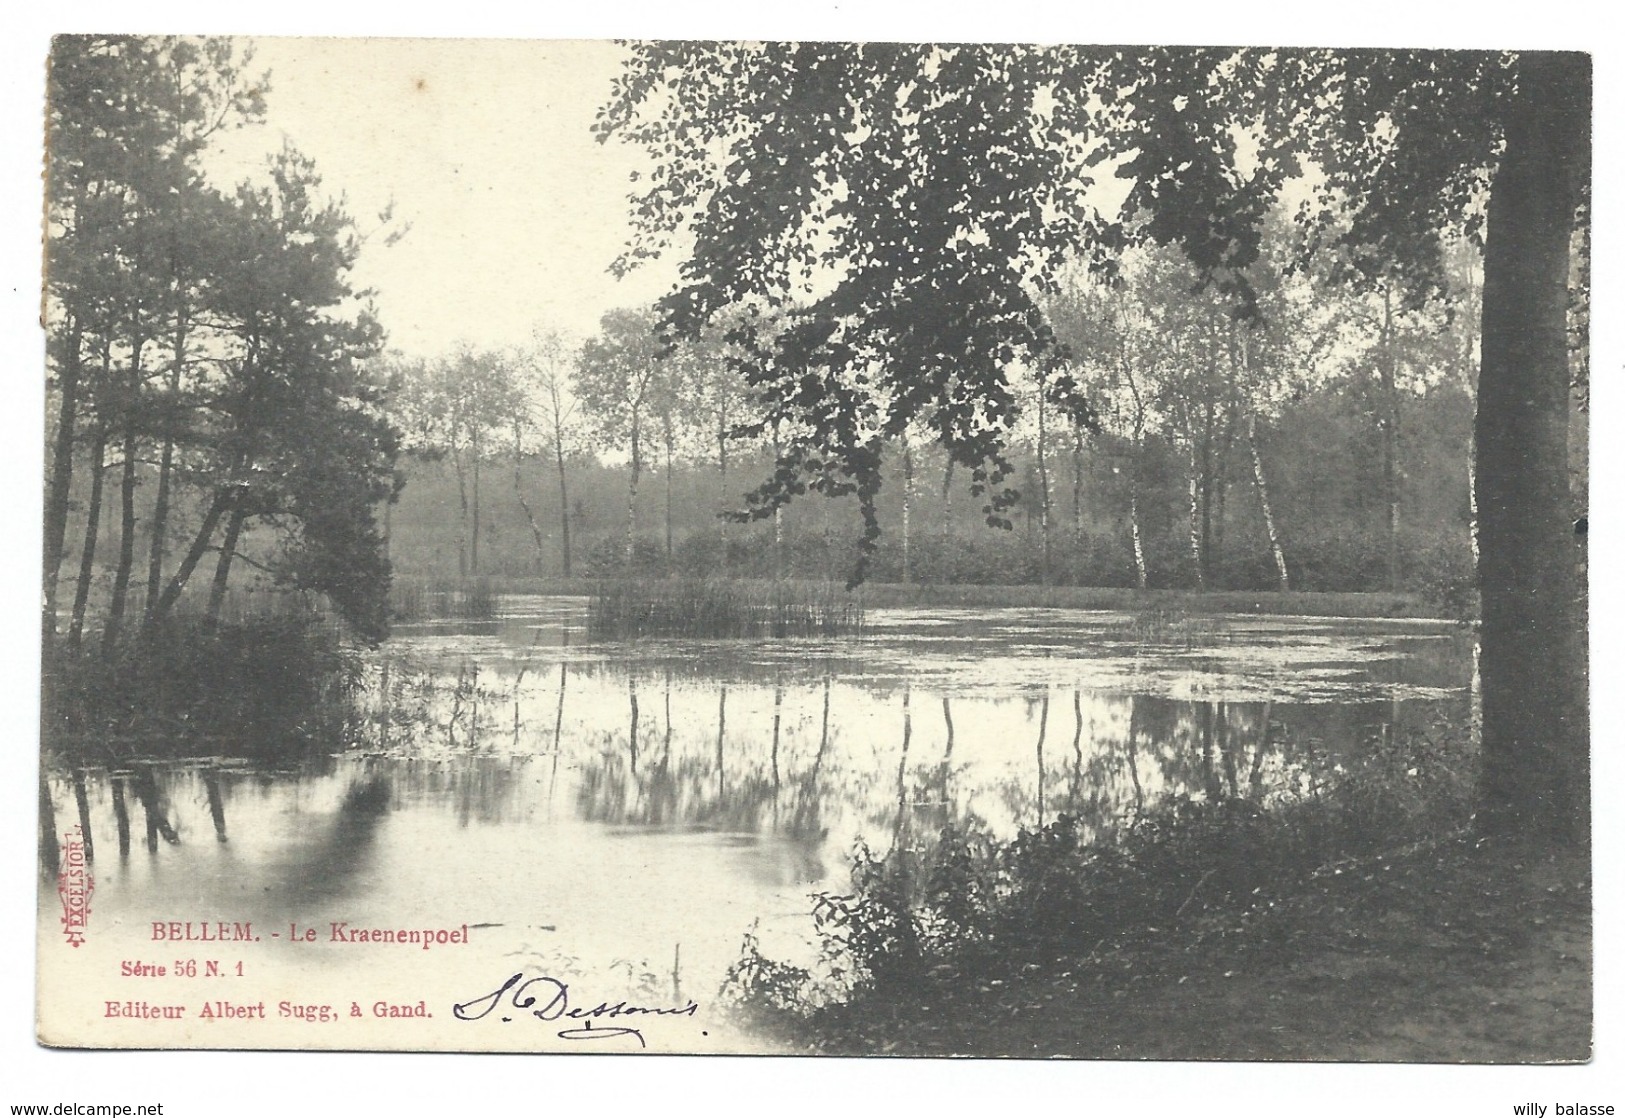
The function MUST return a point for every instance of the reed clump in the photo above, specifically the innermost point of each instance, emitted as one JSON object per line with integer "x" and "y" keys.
{"x": 1159, "y": 626}
{"x": 461, "y": 599}
{"x": 626, "y": 610}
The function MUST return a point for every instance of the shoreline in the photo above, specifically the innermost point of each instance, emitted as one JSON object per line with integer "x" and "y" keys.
{"x": 1302, "y": 603}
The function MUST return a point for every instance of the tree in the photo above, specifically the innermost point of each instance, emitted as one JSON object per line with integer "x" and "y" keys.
{"x": 452, "y": 407}
{"x": 936, "y": 189}
{"x": 620, "y": 375}
{"x": 544, "y": 368}
{"x": 293, "y": 430}
{"x": 127, "y": 262}
{"x": 721, "y": 396}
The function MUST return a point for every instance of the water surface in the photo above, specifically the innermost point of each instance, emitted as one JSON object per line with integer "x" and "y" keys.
{"x": 626, "y": 812}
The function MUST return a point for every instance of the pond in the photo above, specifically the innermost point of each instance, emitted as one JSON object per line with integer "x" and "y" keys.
{"x": 626, "y": 812}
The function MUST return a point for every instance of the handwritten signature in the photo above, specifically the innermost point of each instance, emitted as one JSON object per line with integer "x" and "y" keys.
{"x": 548, "y": 999}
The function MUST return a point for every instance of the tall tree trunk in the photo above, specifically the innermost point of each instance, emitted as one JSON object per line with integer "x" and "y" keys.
{"x": 56, "y": 498}
{"x": 632, "y": 495}
{"x": 1196, "y": 523}
{"x": 947, "y": 504}
{"x": 519, "y": 493}
{"x": 1536, "y": 766}
{"x": 778, "y": 515}
{"x": 93, "y": 520}
{"x": 908, "y": 501}
{"x": 1077, "y": 487}
{"x": 200, "y": 543}
{"x": 1043, "y": 490}
{"x": 722, "y": 484}
{"x": 1219, "y": 486}
{"x": 1140, "y": 578}
{"x": 1264, "y": 504}
{"x": 667, "y": 433}
{"x": 166, "y": 462}
{"x": 564, "y": 498}
{"x": 126, "y": 548}
{"x": 222, "y": 567}
{"x": 1387, "y": 373}
{"x": 474, "y": 533}
{"x": 462, "y": 511}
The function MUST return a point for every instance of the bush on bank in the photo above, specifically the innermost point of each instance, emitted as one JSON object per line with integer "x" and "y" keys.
{"x": 1183, "y": 874}
{"x": 257, "y": 687}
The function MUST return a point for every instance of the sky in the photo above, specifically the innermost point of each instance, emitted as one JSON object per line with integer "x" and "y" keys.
{"x": 513, "y": 209}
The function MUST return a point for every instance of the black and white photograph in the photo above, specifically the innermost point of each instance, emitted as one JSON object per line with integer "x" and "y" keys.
{"x": 837, "y": 547}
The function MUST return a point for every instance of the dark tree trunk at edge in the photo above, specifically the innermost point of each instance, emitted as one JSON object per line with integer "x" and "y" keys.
{"x": 93, "y": 521}
{"x": 1536, "y": 767}
{"x": 222, "y": 569}
{"x": 56, "y": 500}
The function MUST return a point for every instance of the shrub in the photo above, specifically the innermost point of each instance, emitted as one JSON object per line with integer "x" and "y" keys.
{"x": 1194, "y": 867}
{"x": 258, "y": 687}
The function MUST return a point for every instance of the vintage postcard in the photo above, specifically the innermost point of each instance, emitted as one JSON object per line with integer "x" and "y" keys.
{"x": 819, "y": 548}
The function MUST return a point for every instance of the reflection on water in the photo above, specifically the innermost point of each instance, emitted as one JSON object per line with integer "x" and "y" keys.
{"x": 640, "y": 807}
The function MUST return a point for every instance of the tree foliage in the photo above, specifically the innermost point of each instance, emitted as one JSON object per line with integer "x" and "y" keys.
{"x": 900, "y": 209}
{"x": 217, "y": 333}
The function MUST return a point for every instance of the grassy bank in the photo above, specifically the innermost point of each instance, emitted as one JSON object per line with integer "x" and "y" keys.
{"x": 1458, "y": 951}
{"x": 1307, "y": 603}
{"x": 1332, "y": 923}
{"x": 880, "y": 595}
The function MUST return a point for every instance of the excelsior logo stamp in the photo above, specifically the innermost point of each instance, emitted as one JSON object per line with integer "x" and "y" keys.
{"x": 74, "y": 885}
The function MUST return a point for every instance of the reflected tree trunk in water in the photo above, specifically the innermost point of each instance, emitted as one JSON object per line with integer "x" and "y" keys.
{"x": 146, "y": 790}
{"x": 1227, "y": 747}
{"x": 902, "y": 771}
{"x": 518, "y": 686}
{"x": 121, "y": 817}
{"x": 807, "y": 809}
{"x": 1133, "y": 752}
{"x": 1255, "y": 780}
{"x": 81, "y": 800}
{"x": 823, "y": 738}
{"x": 722, "y": 729}
{"x": 632, "y": 692}
{"x": 217, "y": 808}
{"x": 1077, "y": 745}
{"x": 666, "y": 747}
{"x": 558, "y": 716}
{"x": 773, "y": 756}
{"x": 558, "y": 730}
{"x": 1043, "y": 729}
{"x": 50, "y": 854}
{"x": 1210, "y": 776}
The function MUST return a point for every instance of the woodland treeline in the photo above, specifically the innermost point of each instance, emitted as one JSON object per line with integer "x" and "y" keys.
{"x": 224, "y": 413}
{"x": 1325, "y": 446}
